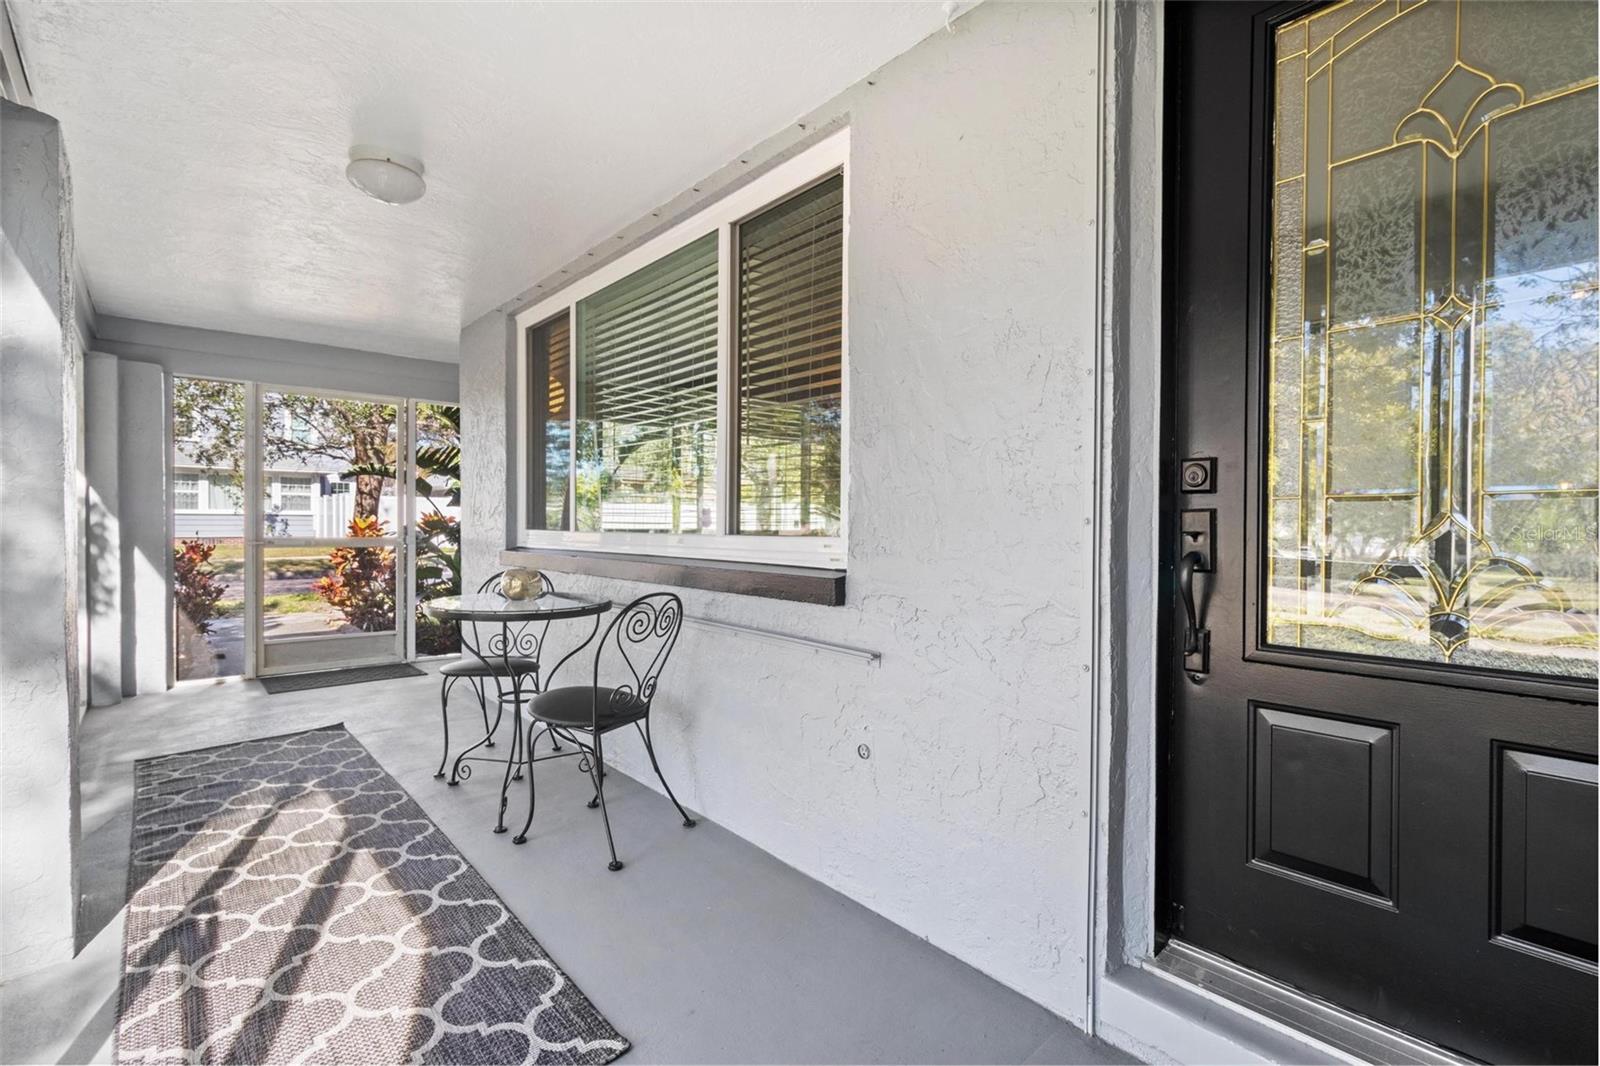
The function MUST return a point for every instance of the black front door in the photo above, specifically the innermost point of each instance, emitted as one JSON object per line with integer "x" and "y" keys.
{"x": 1381, "y": 780}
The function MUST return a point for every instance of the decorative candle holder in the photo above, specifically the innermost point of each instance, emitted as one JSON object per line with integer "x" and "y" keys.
{"x": 520, "y": 583}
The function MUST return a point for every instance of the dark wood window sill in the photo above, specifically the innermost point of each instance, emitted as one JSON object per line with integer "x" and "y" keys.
{"x": 800, "y": 584}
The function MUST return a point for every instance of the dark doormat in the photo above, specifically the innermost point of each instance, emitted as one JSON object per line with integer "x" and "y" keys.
{"x": 290, "y": 902}
{"x": 330, "y": 678}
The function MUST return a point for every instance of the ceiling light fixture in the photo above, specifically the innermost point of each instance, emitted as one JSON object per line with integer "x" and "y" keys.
{"x": 385, "y": 175}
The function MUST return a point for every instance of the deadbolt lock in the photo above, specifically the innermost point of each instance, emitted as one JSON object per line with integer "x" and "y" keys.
{"x": 1198, "y": 475}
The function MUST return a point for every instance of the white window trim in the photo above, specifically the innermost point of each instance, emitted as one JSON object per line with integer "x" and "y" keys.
{"x": 200, "y": 489}
{"x": 723, "y": 216}
{"x": 312, "y": 492}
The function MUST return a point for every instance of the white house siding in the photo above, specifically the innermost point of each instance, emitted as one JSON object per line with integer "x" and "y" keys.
{"x": 971, "y": 318}
{"x": 211, "y": 526}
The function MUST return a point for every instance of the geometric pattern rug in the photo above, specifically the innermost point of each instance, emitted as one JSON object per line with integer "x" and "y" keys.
{"x": 290, "y": 902}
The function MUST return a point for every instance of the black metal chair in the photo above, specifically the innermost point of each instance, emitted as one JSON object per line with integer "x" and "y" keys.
{"x": 516, "y": 645}
{"x": 644, "y": 634}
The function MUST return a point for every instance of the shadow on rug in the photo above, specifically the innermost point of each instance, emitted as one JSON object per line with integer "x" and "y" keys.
{"x": 291, "y": 902}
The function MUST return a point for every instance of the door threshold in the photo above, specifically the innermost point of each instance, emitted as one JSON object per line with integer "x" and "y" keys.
{"x": 1345, "y": 1031}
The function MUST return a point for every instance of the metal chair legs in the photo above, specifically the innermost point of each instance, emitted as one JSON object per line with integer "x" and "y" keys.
{"x": 592, "y": 760}
{"x": 650, "y": 749}
{"x": 483, "y": 705}
{"x": 444, "y": 713}
{"x": 599, "y": 774}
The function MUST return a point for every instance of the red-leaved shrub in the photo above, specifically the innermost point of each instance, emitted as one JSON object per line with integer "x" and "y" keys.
{"x": 361, "y": 584}
{"x": 196, "y": 589}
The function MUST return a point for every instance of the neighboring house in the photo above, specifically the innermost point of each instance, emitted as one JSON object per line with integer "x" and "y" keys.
{"x": 209, "y": 502}
{"x": 300, "y": 498}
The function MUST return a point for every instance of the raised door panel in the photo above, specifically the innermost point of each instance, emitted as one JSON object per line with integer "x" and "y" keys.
{"x": 1546, "y": 871}
{"x": 1324, "y": 801}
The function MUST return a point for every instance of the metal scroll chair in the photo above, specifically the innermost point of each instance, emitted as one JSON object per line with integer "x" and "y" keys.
{"x": 643, "y": 636}
{"x": 522, "y": 640}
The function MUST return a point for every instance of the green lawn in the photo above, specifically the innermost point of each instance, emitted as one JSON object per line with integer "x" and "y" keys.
{"x": 289, "y": 603}
{"x": 235, "y": 553}
{"x": 298, "y": 566}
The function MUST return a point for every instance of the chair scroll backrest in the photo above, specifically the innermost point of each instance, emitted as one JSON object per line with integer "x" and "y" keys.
{"x": 643, "y": 635}
{"x": 515, "y": 639}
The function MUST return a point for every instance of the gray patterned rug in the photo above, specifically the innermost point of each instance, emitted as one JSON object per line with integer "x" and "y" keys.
{"x": 289, "y": 902}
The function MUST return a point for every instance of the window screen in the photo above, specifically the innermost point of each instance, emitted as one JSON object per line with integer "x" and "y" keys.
{"x": 647, "y": 398}
{"x": 790, "y": 309}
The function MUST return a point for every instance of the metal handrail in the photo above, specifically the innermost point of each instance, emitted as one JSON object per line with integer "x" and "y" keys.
{"x": 864, "y": 654}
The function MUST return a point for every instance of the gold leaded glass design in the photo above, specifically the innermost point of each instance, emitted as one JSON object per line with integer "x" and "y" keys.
{"x": 1434, "y": 407}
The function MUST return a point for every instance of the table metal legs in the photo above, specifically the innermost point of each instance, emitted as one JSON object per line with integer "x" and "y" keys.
{"x": 496, "y": 656}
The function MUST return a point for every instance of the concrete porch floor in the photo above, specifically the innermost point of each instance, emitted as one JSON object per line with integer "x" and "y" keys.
{"x": 703, "y": 949}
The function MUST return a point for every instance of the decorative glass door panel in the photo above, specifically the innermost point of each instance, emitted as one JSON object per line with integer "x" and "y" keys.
{"x": 1433, "y": 420}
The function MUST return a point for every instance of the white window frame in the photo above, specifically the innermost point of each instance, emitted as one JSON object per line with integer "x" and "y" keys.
{"x": 724, "y": 217}
{"x": 279, "y": 495}
{"x": 200, "y": 489}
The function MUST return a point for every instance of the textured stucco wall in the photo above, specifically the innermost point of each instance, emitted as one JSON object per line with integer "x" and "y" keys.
{"x": 104, "y": 562}
{"x": 40, "y": 376}
{"x": 972, "y": 280}
{"x": 487, "y": 390}
{"x": 144, "y": 546}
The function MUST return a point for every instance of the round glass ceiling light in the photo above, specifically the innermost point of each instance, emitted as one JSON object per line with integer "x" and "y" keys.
{"x": 385, "y": 175}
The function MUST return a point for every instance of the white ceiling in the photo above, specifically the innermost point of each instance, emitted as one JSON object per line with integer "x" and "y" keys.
{"x": 208, "y": 143}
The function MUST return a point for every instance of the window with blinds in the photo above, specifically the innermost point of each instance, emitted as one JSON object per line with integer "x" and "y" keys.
{"x": 789, "y": 335}
{"x": 550, "y": 451}
{"x": 695, "y": 384}
{"x": 647, "y": 398}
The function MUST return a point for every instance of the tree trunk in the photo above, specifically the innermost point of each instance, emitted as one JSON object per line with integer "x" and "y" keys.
{"x": 369, "y": 450}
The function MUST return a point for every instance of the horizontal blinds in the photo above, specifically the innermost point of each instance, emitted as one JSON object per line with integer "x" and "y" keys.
{"x": 647, "y": 397}
{"x": 557, "y": 343}
{"x": 552, "y": 439}
{"x": 649, "y": 342}
{"x": 790, "y": 368}
{"x": 790, "y": 326}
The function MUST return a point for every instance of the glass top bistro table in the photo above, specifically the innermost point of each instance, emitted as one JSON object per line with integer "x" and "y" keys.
{"x": 497, "y": 630}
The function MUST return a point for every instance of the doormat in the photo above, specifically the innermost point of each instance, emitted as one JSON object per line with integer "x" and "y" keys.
{"x": 330, "y": 678}
{"x": 290, "y": 902}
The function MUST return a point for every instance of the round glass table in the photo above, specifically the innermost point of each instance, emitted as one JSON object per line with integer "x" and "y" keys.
{"x": 499, "y": 633}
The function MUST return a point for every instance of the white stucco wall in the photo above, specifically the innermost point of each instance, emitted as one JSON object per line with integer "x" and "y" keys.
{"x": 972, "y": 281}
{"x": 145, "y": 547}
{"x": 103, "y": 508}
{"x": 40, "y": 501}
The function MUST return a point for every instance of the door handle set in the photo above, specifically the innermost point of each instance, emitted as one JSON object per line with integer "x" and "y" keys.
{"x": 1197, "y": 531}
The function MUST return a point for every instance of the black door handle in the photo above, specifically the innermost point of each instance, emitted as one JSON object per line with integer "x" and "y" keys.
{"x": 1186, "y": 568}
{"x": 1196, "y": 639}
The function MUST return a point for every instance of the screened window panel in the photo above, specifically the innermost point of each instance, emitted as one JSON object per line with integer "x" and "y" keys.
{"x": 790, "y": 367}
{"x": 647, "y": 398}
{"x": 551, "y": 448}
